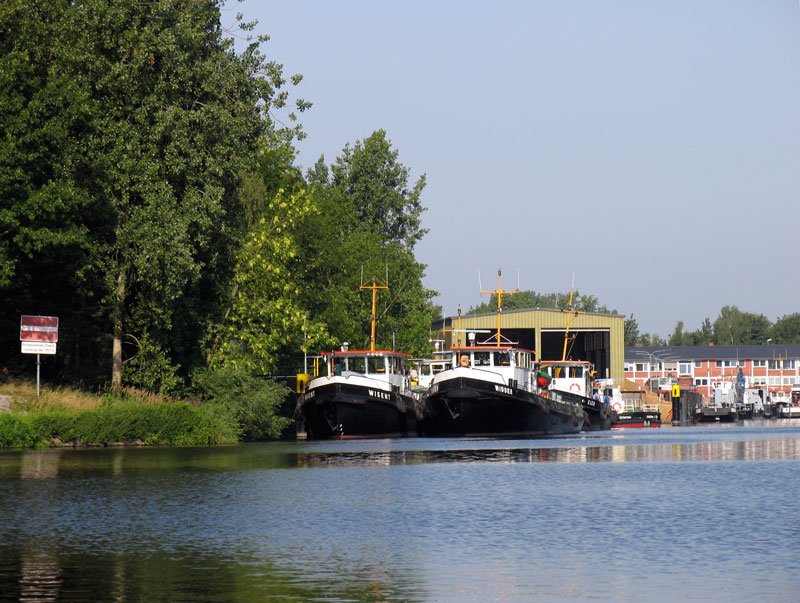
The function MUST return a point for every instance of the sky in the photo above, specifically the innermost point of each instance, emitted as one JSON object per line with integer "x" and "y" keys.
{"x": 648, "y": 149}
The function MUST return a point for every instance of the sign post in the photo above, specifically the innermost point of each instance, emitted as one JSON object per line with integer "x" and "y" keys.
{"x": 38, "y": 335}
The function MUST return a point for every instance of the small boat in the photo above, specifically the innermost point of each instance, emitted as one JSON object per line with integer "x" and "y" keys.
{"x": 723, "y": 406}
{"x": 716, "y": 413}
{"x": 791, "y": 410}
{"x": 359, "y": 393}
{"x": 625, "y": 412}
{"x": 493, "y": 390}
{"x": 573, "y": 379}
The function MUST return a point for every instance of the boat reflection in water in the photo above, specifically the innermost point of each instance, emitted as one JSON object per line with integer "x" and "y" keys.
{"x": 610, "y": 451}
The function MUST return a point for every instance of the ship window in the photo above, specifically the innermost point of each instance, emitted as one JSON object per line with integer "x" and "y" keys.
{"x": 576, "y": 372}
{"x": 356, "y": 364}
{"x": 481, "y": 358}
{"x": 502, "y": 358}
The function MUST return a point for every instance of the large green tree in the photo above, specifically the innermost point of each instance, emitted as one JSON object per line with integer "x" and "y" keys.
{"x": 735, "y": 327}
{"x": 370, "y": 177}
{"x": 786, "y": 329}
{"x": 125, "y": 129}
{"x": 366, "y": 224}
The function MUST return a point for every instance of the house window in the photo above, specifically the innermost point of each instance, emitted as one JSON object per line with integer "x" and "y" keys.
{"x": 727, "y": 363}
{"x": 789, "y": 364}
{"x": 774, "y": 381}
{"x": 775, "y": 364}
{"x": 789, "y": 380}
{"x": 640, "y": 367}
{"x": 698, "y": 364}
{"x": 759, "y": 363}
{"x": 758, "y": 381}
{"x": 685, "y": 368}
{"x": 701, "y": 381}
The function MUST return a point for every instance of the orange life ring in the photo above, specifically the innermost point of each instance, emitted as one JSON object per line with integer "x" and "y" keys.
{"x": 616, "y": 406}
{"x": 575, "y": 387}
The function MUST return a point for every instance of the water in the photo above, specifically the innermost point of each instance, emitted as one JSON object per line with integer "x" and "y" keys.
{"x": 690, "y": 513}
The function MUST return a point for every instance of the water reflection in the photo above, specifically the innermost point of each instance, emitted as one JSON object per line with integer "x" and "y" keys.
{"x": 668, "y": 445}
{"x": 709, "y": 451}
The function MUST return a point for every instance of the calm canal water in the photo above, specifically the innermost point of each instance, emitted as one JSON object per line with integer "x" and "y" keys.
{"x": 688, "y": 513}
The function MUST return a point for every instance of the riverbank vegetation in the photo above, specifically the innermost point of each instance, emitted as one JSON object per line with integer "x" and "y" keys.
{"x": 235, "y": 407}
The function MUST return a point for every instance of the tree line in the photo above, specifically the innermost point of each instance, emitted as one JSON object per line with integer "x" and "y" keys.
{"x": 731, "y": 327}
{"x": 149, "y": 198}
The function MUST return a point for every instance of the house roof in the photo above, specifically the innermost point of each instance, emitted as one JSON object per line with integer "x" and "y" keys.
{"x": 712, "y": 352}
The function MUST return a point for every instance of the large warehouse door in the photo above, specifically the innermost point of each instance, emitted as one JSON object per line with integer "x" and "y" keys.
{"x": 594, "y": 346}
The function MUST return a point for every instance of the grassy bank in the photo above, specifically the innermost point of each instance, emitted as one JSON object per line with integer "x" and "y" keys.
{"x": 70, "y": 417}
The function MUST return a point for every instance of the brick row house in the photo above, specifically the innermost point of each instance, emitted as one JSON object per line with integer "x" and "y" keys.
{"x": 771, "y": 368}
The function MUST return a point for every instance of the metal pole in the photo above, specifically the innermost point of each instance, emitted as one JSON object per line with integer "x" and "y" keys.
{"x": 38, "y": 364}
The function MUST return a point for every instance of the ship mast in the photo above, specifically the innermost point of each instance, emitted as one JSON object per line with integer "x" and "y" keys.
{"x": 572, "y": 313}
{"x": 499, "y": 292}
{"x": 374, "y": 286}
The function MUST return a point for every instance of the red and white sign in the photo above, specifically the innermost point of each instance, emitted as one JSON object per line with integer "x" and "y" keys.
{"x": 38, "y": 328}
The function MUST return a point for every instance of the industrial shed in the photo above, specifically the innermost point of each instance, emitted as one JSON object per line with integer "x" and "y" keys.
{"x": 599, "y": 338}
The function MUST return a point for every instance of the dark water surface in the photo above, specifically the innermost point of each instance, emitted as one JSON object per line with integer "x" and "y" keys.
{"x": 670, "y": 514}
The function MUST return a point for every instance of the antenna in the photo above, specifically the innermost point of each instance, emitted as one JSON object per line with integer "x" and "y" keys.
{"x": 480, "y": 285}
{"x": 374, "y": 286}
{"x": 517, "y": 279}
{"x": 499, "y": 292}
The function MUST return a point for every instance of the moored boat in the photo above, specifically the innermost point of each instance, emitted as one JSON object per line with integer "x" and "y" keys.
{"x": 492, "y": 390}
{"x": 359, "y": 393}
{"x": 573, "y": 379}
{"x": 625, "y": 412}
{"x": 791, "y": 410}
{"x": 363, "y": 393}
{"x": 722, "y": 407}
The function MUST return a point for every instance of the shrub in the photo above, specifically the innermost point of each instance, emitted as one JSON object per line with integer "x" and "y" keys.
{"x": 254, "y": 402}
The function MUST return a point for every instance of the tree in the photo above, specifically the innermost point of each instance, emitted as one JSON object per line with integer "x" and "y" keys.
{"x": 734, "y": 327}
{"x": 365, "y": 227}
{"x": 369, "y": 176}
{"x": 651, "y": 340}
{"x": 266, "y": 315}
{"x": 678, "y": 337}
{"x": 126, "y": 126}
{"x": 786, "y": 329}
{"x": 532, "y": 299}
{"x": 631, "y": 331}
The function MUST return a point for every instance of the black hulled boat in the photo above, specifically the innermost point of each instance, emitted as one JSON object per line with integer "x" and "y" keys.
{"x": 494, "y": 392}
{"x": 360, "y": 393}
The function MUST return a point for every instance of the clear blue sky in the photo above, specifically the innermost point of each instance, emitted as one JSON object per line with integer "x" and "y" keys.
{"x": 652, "y": 148}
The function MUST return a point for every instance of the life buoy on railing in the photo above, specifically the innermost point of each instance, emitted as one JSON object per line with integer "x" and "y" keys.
{"x": 616, "y": 406}
{"x": 575, "y": 388}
